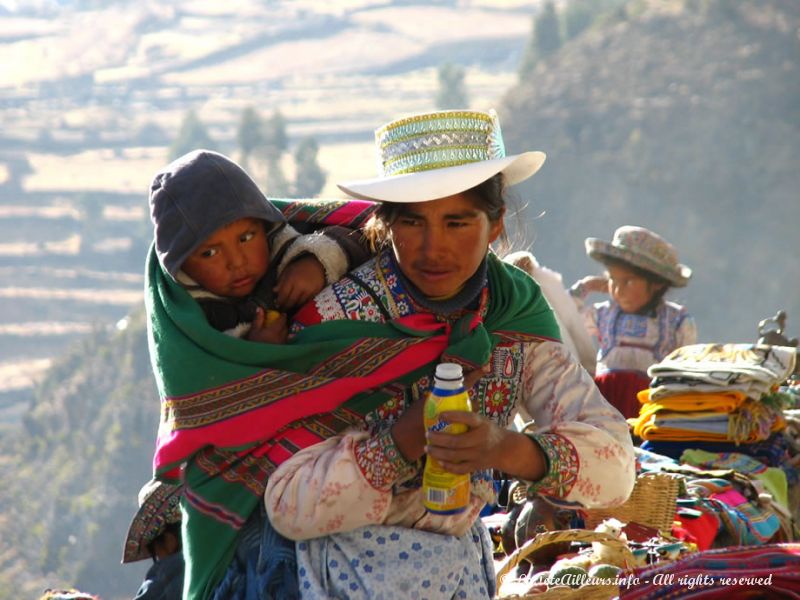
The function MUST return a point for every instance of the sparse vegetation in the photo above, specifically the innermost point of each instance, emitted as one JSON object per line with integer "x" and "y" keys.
{"x": 452, "y": 92}
{"x": 249, "y": 135}
{"x": 192, "y": 135}
{"x": 309, "y": 177}
{"x": 274, "y": 139}
{"x": 546, "y": 38}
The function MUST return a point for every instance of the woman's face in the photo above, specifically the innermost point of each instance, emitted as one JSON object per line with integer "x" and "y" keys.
{"x": 440, "y": 244}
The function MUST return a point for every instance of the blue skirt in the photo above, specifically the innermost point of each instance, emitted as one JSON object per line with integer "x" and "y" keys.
{"x": 264, "y": 566}
{"x": 382, "y": 562}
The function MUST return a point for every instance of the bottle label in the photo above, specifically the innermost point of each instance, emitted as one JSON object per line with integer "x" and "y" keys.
{"x": 444, "y": 492}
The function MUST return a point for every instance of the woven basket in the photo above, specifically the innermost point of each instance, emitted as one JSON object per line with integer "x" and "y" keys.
{"x": 652, "y": 503}
{"x": 552, "y": 543}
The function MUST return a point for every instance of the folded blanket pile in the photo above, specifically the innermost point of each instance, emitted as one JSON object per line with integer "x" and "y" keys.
{"x": 715, "y": 393}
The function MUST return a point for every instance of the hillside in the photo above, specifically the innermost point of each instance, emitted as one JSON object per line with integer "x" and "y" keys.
{"x": 683, "y": 117}
{"x": 71, "y": 474}
{"x": 94, "y": 93}
{"x": 92, "y": 96}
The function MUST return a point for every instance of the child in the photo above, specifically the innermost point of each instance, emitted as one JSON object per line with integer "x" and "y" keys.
{"x": 218, "y": 236}
{"x": 636, "y": 327}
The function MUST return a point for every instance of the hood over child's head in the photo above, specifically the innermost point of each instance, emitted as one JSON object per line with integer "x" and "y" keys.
{"x": 195, "y": 195}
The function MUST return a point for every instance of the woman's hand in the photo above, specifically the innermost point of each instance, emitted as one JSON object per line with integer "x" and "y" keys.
{"x": 485, "y": 445}
{"x": 300, "y": 281}
{"x": 409, "y": 430}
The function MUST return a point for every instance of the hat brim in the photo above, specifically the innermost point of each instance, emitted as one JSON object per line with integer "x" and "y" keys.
{"x": 161, "y": 508}
{"x": 599, "y": 249}
{"x": 423, "y": 186}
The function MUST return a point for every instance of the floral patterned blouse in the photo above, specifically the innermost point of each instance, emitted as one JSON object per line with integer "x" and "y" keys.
{"x": 360, "y": 478}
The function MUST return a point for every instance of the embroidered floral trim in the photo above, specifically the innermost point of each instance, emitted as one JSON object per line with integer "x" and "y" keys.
{"x": 562, "y": 465}
{"x": 381, "y": 462}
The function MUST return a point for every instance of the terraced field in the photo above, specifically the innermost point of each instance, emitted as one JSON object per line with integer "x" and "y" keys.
{"x": 88, "y": 116}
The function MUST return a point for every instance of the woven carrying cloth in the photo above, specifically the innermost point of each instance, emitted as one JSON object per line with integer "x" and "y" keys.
{"x": 769, "y": 571}
{"x": 232, "y": 410}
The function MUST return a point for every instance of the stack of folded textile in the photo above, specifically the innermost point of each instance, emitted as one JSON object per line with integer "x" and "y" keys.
{"x": 716, "y": 393}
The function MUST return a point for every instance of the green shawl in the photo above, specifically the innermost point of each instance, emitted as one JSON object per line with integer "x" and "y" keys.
{"x": 232, "y": 410}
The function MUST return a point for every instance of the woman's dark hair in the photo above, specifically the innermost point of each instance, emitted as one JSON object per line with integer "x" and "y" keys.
{"x": 646, "y": 275}
{"x": 488, "y": 196}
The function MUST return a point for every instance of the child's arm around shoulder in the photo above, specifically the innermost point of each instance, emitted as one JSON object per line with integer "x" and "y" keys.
{"x": 315, "y": 259}
{"x": 337, "y": 249}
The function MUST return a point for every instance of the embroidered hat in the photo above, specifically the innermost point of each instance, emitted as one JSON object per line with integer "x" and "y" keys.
{"x": 434, "y": 155}
{"x": 159, "y": 506}
{"x": 644, "y": 249}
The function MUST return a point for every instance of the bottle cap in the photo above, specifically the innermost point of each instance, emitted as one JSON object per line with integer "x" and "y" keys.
{"x": 449, "y": 372}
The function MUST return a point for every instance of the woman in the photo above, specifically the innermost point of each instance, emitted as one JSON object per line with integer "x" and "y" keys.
{"x": 354, "y": 500}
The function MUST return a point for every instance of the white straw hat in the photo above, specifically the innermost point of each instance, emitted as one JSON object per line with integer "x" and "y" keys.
{"x": 439, "y": 154}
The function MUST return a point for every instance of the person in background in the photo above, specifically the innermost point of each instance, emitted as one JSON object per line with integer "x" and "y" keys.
{"x": 354, "y": 502}
{"x": 636, "y": 327}
{"x": 218, "y": 235}
{"x": 155, "y": 533}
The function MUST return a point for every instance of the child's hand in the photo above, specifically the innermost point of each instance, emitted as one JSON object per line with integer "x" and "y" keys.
{"x": 301, "y": 280}
{"x": 594, "y": 283}
{"x": 268, "y": 328}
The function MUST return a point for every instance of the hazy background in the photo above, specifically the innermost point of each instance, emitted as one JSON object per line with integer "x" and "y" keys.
{"x": 679, "y": 115}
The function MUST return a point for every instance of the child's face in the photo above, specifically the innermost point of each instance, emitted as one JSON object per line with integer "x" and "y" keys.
{"x": 631, "y": 291}
{"x": 232, "y": 260}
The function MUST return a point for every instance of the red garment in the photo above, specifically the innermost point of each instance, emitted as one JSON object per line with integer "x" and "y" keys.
{"x": 703, "y": 529}
{"x": 620, "y": 389}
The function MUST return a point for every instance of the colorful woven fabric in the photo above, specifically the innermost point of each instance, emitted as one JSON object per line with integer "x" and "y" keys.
{"x": 727, "y": 363}
{"x": 772, "y": 452}
{"x": 745, "y": 522}
{"x": 772, "y": 479}
{"x": 720, "y": 401}
{"x": 227, "y": 404}
{"x": 748, "y": 523}
{"x": 726, "y": 416}
{"x": 703, "y": 528}
{"x": 769, "y": 571}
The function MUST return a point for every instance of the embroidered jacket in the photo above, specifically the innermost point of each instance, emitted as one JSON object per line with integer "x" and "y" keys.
{"x": 361, "y": 478}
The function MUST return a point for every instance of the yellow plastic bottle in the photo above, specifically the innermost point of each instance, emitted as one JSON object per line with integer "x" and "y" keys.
{"x": 444, "y": 492}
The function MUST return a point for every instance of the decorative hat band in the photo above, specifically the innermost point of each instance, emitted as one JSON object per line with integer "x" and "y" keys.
{"x": 437, "y": 140}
